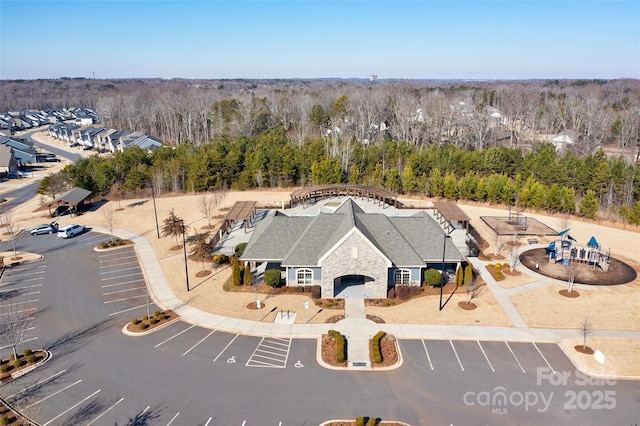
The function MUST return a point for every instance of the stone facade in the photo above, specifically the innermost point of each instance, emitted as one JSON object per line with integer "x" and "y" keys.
{"x": 355, "y": 256}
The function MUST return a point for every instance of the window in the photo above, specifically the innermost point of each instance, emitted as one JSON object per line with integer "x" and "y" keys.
{"x": 402, "y": 277}
{"x": 304, "y": 277}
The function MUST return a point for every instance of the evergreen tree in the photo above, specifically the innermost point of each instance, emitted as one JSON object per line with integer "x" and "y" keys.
{"x": 589, "y": 205}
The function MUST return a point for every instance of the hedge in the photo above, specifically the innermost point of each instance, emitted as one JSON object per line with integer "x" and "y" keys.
{"x": 272, "y": 277}
{"x": 432, "y": 277}
{"x": 341, "y": 355}
{"x": 376, "y": 352}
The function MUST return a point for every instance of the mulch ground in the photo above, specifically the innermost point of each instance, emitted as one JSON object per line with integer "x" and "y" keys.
{"x": 467, "y": 306}
{"x": 584, "y": 349}
{"x": 618, "y": 273}
{"x": 571, "y": 295}
{"x": 387, "y": 349}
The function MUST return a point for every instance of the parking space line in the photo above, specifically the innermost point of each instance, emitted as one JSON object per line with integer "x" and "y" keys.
{"x": 72, "y": 407}
{"x": 201, "y": 340}
{"x": 122, "y": 291}
{"x": 24, "y": 275}
{"x": 53, "y": 394}
{"x": 119, "y": 270}
{"x": 174, "y": 417}
{"x": 126, "y": 282}
{"x": 20, "y": 311}
{"x": 110, "y": 255}
{"x": 208, "y": 421}
{"x": 119, "y": 264}
{"x": 225, "y": 348}
{"x": 4, "y": 284}
{"x": 424, "y": 344}
{"x": 23, "y": 342}
{"x": 174, "y": 336}
{"x": 142, "y": 412}
{"x": 125, "y": 298}
{"x": 457, "y": 357}
{"x": 104, "y": 412}
{"x": 21, "y": 288}
{"x": 485, "y": 356}
{"x": 22, "y": 303}
{"x": 120, "y": 276}
{"x": 514, "y": 356}
{"x": 127, "y": 310}
{"x": 545, "y": 359}
{"x": 36, "y": 384}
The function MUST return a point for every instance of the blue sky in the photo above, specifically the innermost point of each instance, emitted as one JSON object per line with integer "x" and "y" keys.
{"x": 315, "y": 39}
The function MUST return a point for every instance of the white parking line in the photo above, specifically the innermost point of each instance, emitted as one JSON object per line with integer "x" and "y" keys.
{"x": 120, "y": 276}
{"x": 424, "y": 344}
{"x": 122, "y": 291}
{"x": 21, "y": 288}
{"x": 174, "y": 417}
{"x": 30, "y": 293}
{"x": 4, "y": 284}
{"x": 23, "y": 342}
{"x": 18, "y": 311}
{"x": 126, "y": 282}
{"x": 22, "y": 303}
{"x": 201, "y": 340}
{"x": 174, "y": 336}
{"x": 53, "y": 394}
{"x": 514, "y": 356}
{"x": 142, "y": 412}
{"x": 225, "y": 348}
{"x": 110, "y": 255}
{"x": 485, "y": 356}
{"x": 545, "y": 360}
{"x": 125, "y": 298}
{"x": 119, "y": 264}
{"x": 104, "y": 412}
{"x": 24, "y": 275}
{"x": 36, "y": 384}
{"x": 127, "y": 310}
{"x": 457, "y": 357}
{"x": 208, "y": 421}
{"x": 72, "y": 407}
{"x": 119, "y": 270}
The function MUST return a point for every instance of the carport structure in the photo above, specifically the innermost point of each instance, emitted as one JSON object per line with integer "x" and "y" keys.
{"x": 379, "y": 196}
{"x": 73, "y": 199}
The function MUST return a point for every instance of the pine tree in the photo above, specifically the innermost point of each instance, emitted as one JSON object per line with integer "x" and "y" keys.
{"x": 246, "y": 280}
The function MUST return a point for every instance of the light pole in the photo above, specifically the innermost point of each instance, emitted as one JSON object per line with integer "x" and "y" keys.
{"x": 155, "y": 211}
{"x": 184, "y": 247}
{"x": 442, "y": 277}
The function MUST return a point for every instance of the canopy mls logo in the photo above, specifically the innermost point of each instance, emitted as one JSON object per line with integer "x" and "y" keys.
{"x": 498, "y": 399}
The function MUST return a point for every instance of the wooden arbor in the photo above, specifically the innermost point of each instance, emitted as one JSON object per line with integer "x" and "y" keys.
{"x": 313, "y": 193}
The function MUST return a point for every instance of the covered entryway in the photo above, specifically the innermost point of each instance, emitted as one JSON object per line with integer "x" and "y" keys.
{"x": 353, "y": 287}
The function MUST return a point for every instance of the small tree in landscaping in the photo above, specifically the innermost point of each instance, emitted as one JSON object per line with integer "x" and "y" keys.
{"x": 498, "y": 244}
{"x": 432, "y": 277}
{"x": 236, "y": 273}
{"x": 472, "y": 291}
{"x": 585, "y": 329}
{"x": 571, "y": 276}
{"x": 206, "y": 204}
{"x": 272, "y": 277}
{"x": 514, "y": 259}
{"x": 459, "y": 277}
{"x": 109, "y": 216}
{"x": 468, "y": 274}
{"x": 201, "y": 248}
{"x": 246, "y": 279}
{"x": 15, "y": 324}
{"x": 173, "y": 226}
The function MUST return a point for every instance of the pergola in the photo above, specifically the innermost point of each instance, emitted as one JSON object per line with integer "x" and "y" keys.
{"x": 447, "y": 212}
{"x": 379, "y": 196}
{"x": 241, "y": 210}
{"x": 73, "y": 199}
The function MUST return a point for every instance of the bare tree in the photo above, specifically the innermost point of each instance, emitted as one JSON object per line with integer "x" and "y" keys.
{"x": 514, "y": 259}
{"x": 11, "y": 231}
{"x": 571, "y": 276}
{"x": 586, "y": 329}
{"x": 202, "y": 248}
{"x": 473, "y": 290}
{"x": 116, "y": 193}
{"x": 109, "y": 216}
{"x": 206, "y": 203}
{"x": 15, "y": 323}
{"x": 498, "y": 244}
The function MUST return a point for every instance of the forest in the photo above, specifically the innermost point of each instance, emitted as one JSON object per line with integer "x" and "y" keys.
{"x": 487, "y": 141}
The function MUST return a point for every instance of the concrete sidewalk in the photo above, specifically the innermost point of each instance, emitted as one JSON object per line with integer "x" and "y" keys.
{"x": 355, "y": 326}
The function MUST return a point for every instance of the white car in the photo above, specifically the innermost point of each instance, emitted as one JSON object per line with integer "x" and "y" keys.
{"x": 71, "y": 231}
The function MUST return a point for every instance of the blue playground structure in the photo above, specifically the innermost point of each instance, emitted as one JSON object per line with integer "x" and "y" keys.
{"x": 565, "y": 251}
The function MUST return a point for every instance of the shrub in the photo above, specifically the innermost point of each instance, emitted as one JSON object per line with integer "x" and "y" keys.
{"x": 18, "y": 363}
{"x": 403, "y": 292}
{"x": 300, "y": 289}
{"x": 4, "y": 368}
{"x": 498, "y": 265}
{"x": 341, "y": 352}
{"x": 499, "y": 275}
{"x": 391, "y": 293}
{"x": 31, "y": 359}
{"x": 12, "y": 357}
{"x": 157, "y": 313}
{"x": 432, "y": 277}
{"x": 372, "y": 421}
{"x": 272, "y": 277}
{"x": 359, "y": 421}
{"x": 316, "y": 292}
{"x": 144, "y": 318}
{"x": 239, "y": 249}
{"x": 103, "y": 245}
{"x": 4, "y": 420}
{"x": 135, "y": 321}
{"x": 376, "y": 353}
{"x": 27, "y": 352}
{"x": 153, "y": 321}
{"x": 490, "y": 265}
{"x": 143, "y": 325}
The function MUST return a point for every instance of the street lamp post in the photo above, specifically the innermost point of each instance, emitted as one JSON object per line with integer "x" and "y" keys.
{"x": 184, "y": 246}
{"x": 442, "y": 277}
{"x": 155, "y": 211}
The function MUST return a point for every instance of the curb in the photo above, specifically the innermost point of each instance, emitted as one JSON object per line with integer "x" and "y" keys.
{"x": 581, "y": 368}
{"x": 382, "y": 423}
{"x": 147, "y": 332}
{"x": 320, "y": 361}
{"x": 26, "y": 370}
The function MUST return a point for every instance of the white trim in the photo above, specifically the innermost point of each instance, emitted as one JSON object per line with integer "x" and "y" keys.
{"x": 343, "y": 239}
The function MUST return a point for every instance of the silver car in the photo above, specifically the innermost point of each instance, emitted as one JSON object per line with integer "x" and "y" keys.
{"x": 45, "y": 228}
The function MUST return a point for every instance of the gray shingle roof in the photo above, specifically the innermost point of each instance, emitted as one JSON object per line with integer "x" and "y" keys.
{"x": 303, "y": 240}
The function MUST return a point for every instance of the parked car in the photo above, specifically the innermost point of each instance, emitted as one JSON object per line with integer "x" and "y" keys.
{"x": 70, "y": 231}
{"x": 45, "y": 228}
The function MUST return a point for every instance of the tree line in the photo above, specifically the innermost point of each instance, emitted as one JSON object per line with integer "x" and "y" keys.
{"x": 594, "y": 185}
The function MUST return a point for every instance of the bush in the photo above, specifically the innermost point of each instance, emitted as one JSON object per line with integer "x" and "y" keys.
{"x": 31, "y": 359}
{"x": 372, "y": 421}
{"x": 103, "y": 245}
{"x": 376, "y": 352}
{"x": 4, "y": 368}
{"x": 143, "y": 326}
{"x": 157, "y": 313}
{"x": 27, "y": 352}
{"x": 391, "y": 293}
{"x": 359, "y": 421}
{"x": 135, "y": 321}
{"x": 316, "y": 292}
{"x": 498, "y": 265}
{"x": 18, "y": 363}
{"x": 12, "y": 357}
{"x": 341, "y": 349}
{"x": 153, "y": 321}
{"x": 144, "y": 318}
{"x": 4, "y": 420}
{"x": 432, "y": 277}
{"x": 239, "y": 249}
{"x": 499, "y": 275}
{"x": 272, "y": 277}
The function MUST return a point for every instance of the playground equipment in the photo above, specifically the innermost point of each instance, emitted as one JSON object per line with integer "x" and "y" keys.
{"x": 517, "y": 218}
{"x": 565, "y": 251}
